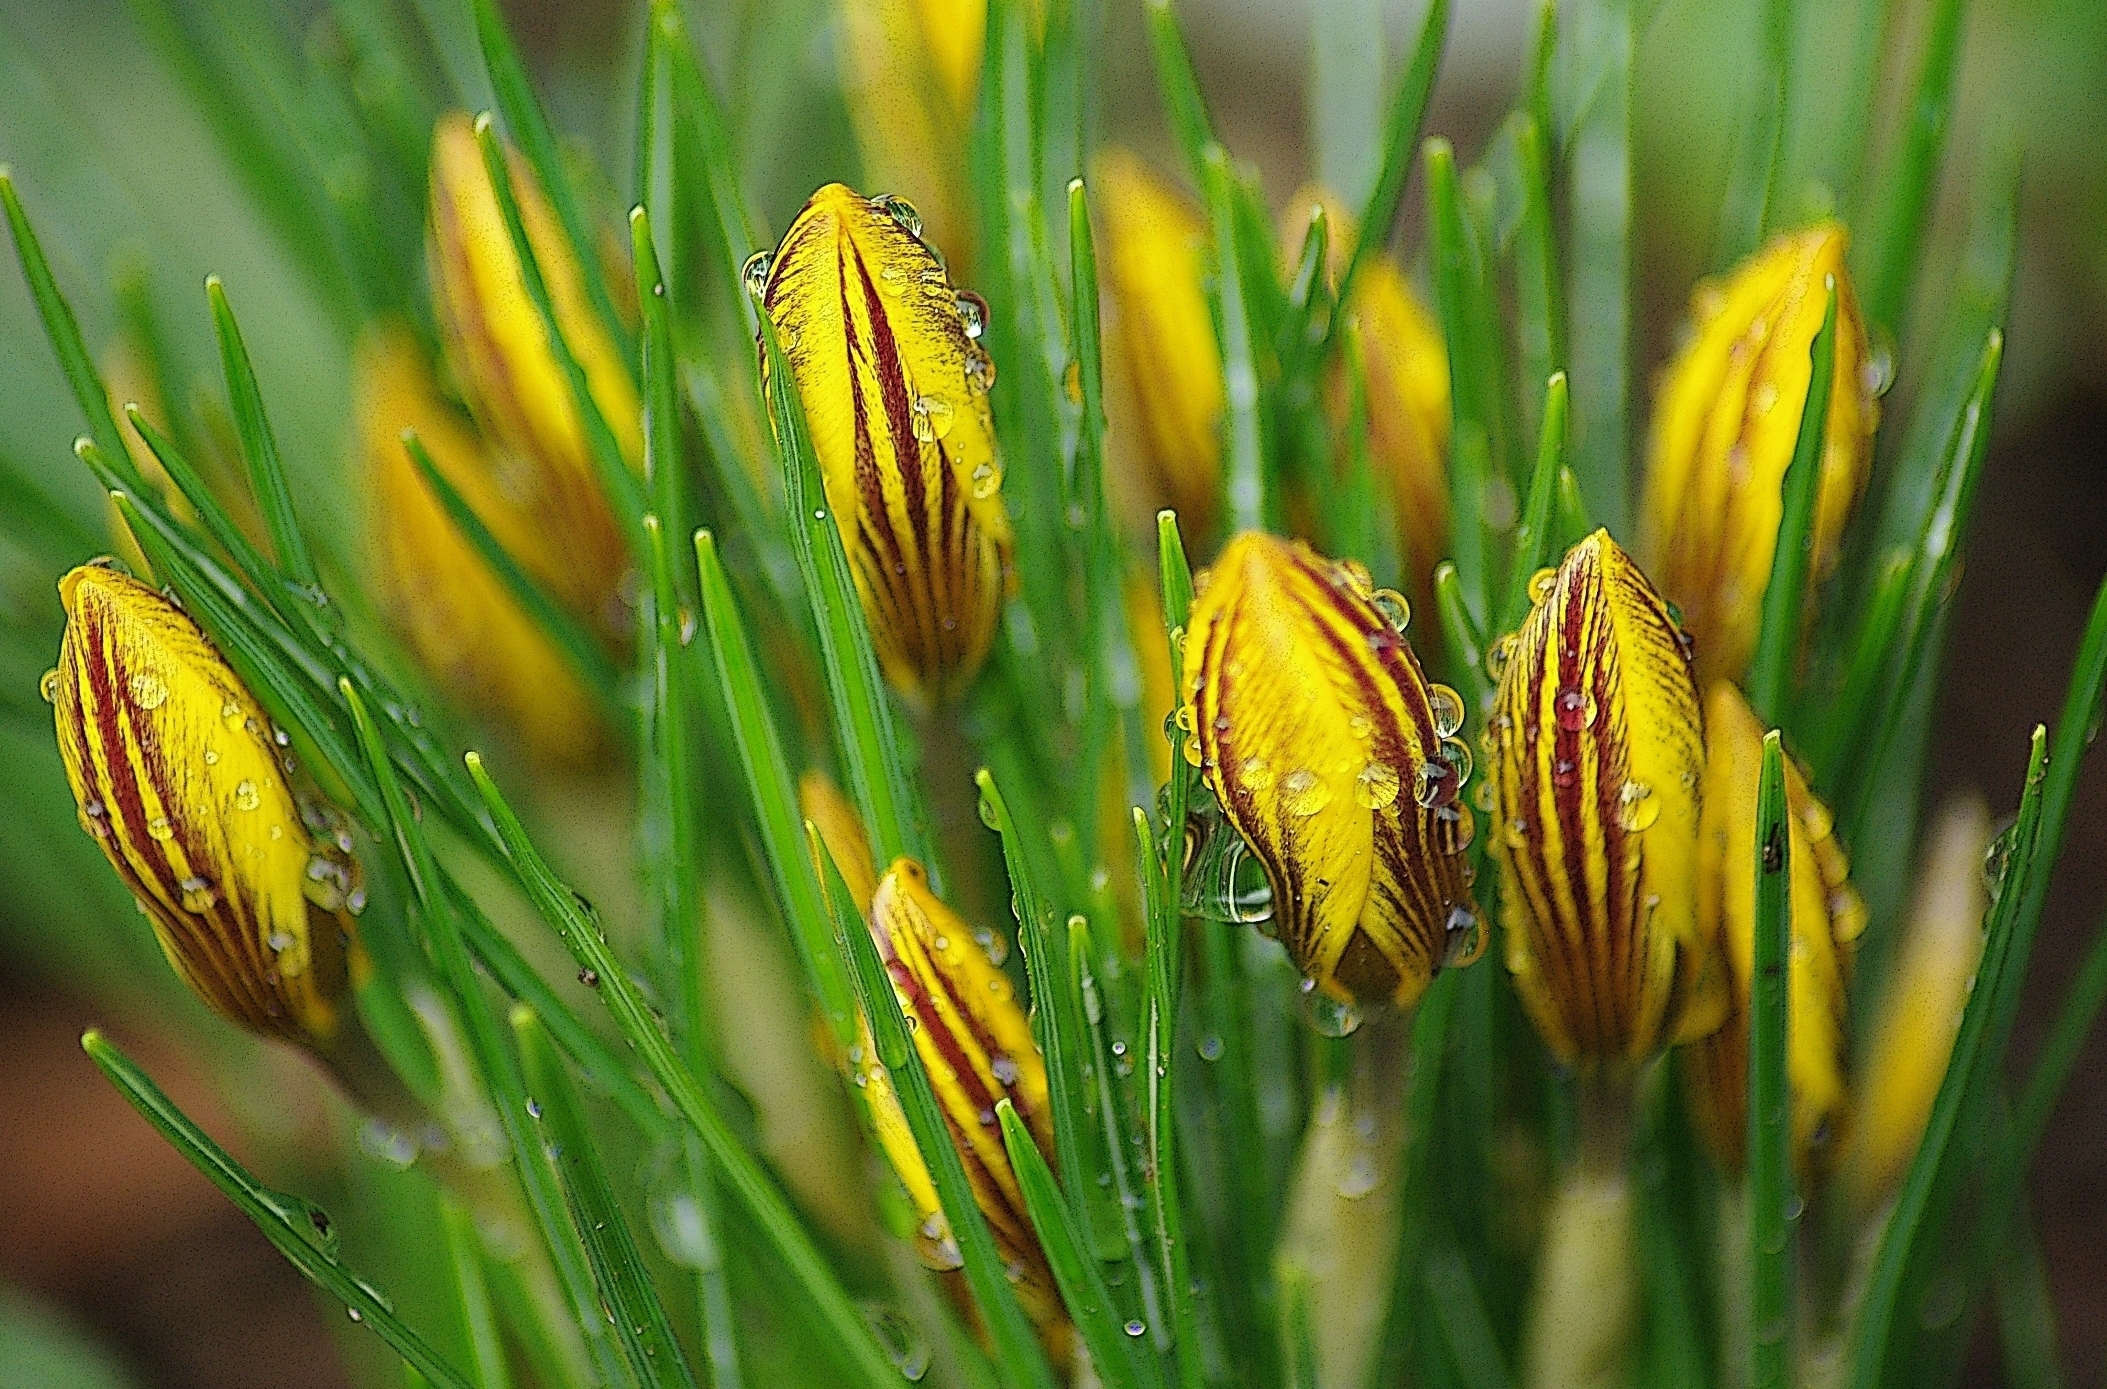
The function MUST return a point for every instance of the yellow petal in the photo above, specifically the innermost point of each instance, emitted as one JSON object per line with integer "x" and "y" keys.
{"x": 911, "y": 74}
{"x": 1726, "y": 418}
{"x": 1597, "y": 747}
{"x": 500, "y": 353}
{"x": 841, "y": 830}
{"x": 1407, "y": 364}
{"x": 1827, "y": 916}
{"x": 457, "y": 617}
{"x": 1919, "y": 1016}
{"x": 1337, "y": 762}
{"x": 180, "y": 781}
{"x": 895, "y": 389}
{"x": 1165, "y": 396}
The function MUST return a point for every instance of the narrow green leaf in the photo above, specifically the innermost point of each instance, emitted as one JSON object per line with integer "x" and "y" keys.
{"x": 63, "y": 331}
{"x": 2026, "y": 1314}
{"x": 1772, "y": 668}
{"x": 1900, "y": 201}
{"x": 1116, "y": 1355}
{"x": 639, "y": 1318}
{"x": 625, "y": 496}
{"x": 774, "y": 791}
{"x": 1343, "y": 99}
{"x": 1575, "y": 522}
{"x": 1477, "y": 455}
{"x": 1877, "y": 1337}
{"x": 1403, "y": 120}
{"x": 756, "y": 1191}
{"x": 1459, "y": 633}
{"x": 300, "y": 1231}
{"x": 1536, "y": 538}
{"x": 274, "y": 498}
{"x": 1112, "y": 1149}
{"x": 1539, "y": 293}
{"x": 863, "y": 719}
{"x": 1597, "y": 128}
{"x": 581, "y": 650}
{"x": 1246, "y": 499}
{"x": 664, "y": 474}
{"x": 1018, "y": 1356}
{"x": 1843, "y": 719}
{"x": 1751, "y": 204}
{"x": 1459, "y": 1311}
{"x": 248, "y": 560}
{"x": 1182, "y": 102}
{"x": 1298, "y": 1341}
{"x": 1770, "y": 1103}
{"x": 464, "y": 1252}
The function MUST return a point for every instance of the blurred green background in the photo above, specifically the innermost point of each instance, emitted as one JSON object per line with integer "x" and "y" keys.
{"x": 117, "y": 1264}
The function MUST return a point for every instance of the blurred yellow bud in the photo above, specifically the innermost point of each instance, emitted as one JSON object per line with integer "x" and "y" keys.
{"x": 911, "y": 75}
{"x": 500, "y": 354}
{"x": 1164, "y": 391}
{"x": 1338, "y": 763}
{"x": 1726, "y": 417}
{"x": 456, "y": 616}
{"x": 1597, "y": 748}
{"x": 1827, "y": 918}
{"x": 1916, "y": 1020}
{"x": 1406, "y": 360}
{"x": 888, "y": 363}
{"x": 181, "y": 780}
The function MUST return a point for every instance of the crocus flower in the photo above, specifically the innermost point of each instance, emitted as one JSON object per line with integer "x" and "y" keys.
{"x": 457, "y": 616}
{"x": 500, "y": 354}
{"x": 1165, "y": 396}
{"x": 1827, "y": 917}
{"x": 181, "y": 780}
{"x": 887, "y": 361}
{"x": 911, "y": 74}
{"x": 1597, "y": 747}
{"x": 1726, "y": 419}
{"x": 1337, "y": 762}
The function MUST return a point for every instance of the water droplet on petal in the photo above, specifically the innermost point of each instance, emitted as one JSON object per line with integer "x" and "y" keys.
{"x": 160, "y": 828}
{"x": 1447, "y": 706}
{"x": 149, "y": 691}
{"x": 1256, "y": 773}
{"x": 972, "y": 313}
{"x": 901, "y": 211}
{"x": 1637, "y": 806}
{"x": 246, "y": 796}
{"x": 1463, "y": 936}
{"x": 930, "y": 417}
{"x": 986, "y": 480}
{"x": 1454, "y": 827}
{"x": 1497, "y": 656}
{"x": 1376, "y": 786}
{"x": 1303, "y": 792}
{"x": 199, "y": 895}
{"x": 754, "y": 274}
{"x": 1574, "y": 709}
{"x": 1328, "y": 1016}
{"x": 49, "y": 686}
{"x": 1393, "y": 606}
{"x": 1541, "y": 583}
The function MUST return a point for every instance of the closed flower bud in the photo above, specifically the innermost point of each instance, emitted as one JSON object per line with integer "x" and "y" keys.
{"x": 1918, "y": 1017}
{"x": 1827, "y": 917}
{"x": 1338, "y": 764}
{"x": 888, "y": 363}
{"x": 1407, "y": 364}
{"x": 181, "y": 781}
{"x": 911, "y": 74}
{"x": 1597, "y": 748}
{"x": 1726, "y": 419}
{"x": 976, "y": 1044}
{"x": 1165, "y": 393}
{"x": 457, "y": 616}
{"x": 500, "y": 352}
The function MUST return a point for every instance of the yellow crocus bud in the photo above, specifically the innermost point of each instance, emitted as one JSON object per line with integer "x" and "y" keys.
{"x": 1827, "y": 918}
{"x": 976, "y": 1044}
{"x": 459, "y": 618}
{"x": 1338, "y": 763}
{"x": 888, "y": 363}
{"x": 1919, "y": 1016}
{"x": 180, "y": 779}
{"x": 1165, "y": 396}
{"x": 1597, "y": 748}
{"x": 500, "y": 354}
{"x": 1726, "y": 418}
{"x": 1406, "y": 360}
{"x": 911, "y": 74}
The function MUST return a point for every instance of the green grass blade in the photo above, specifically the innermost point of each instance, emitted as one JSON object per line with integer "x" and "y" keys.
{"x": 1116, "y": 1355}
{"x": 664, "y": 473}
{"x": 220, "y": 526}
{"x": 494, "y": 1061}
{"x": 1539, "y": 295}
{"x": 298, "y": 1230}
{"x": 1597, "y": 127}
{"x": 1751, "y": 204}
{"x": 1403, "y": 120}
{"x": 639, "y": 1318}
{"x": 529, "y": 128}
{"x": 2026, "y": 1315}
{"x": 464, "y": 1251}
{"x": 1247, "y": 500}
{"x": 63, "y": 331}
{"x": 581, "y": 650}
{"x": 1343, "y": 99}
{"x": 1770, "y": 1103}
{"x": 1018, "y": 1356}
{"x": 1772, "y": 668}
{"x": 1057, "y": 1025}
{"x": 1879, "y": 1334}
{"x": 863, "y": 717}
{"x": 274, "y": 499}
{"x": 1901, "y": 199}
{"x": 1536, "y": 537}
{"x": 774, "y": 791}
{"x": 1477, "y": 455}
{"x": 1466, "y": 1327}
{"x": 639, "y": 1026}
{"x": 1298, "y": 1340}
{"x": 1182, "y": 102}
{"x": 1107, "y": 1107}
{"x": 1459, "y": 632}
{"x": 624, "y": 494}
{"x": 1838, "y": 732}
